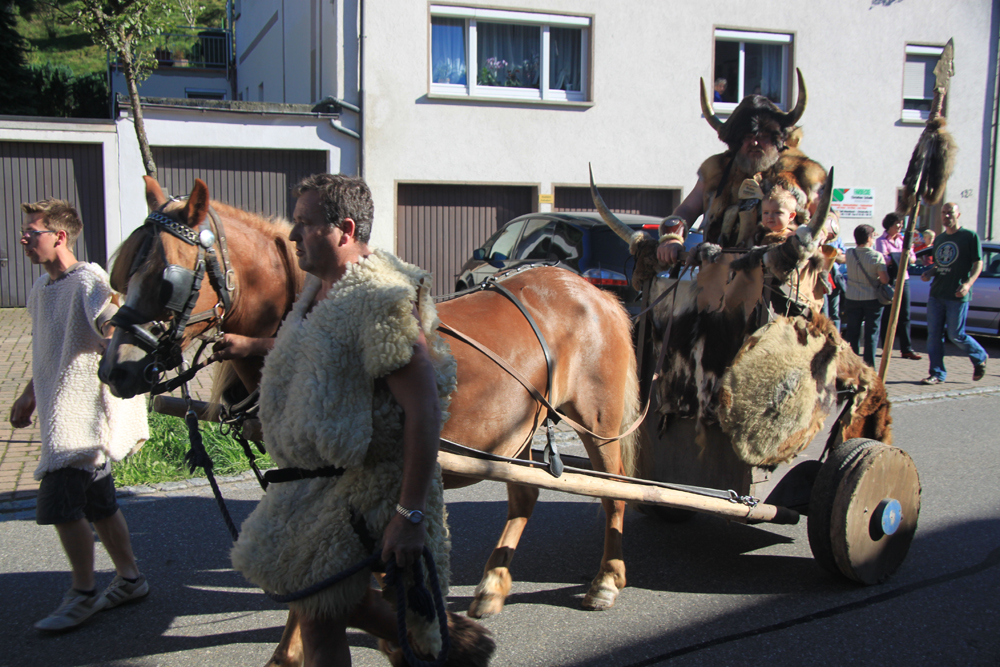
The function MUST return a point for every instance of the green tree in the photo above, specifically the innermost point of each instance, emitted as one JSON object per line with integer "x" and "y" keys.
{"x": 14, "y": 84}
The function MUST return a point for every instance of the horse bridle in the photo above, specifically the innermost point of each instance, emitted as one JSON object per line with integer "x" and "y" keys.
{"x": 180, "y": 289}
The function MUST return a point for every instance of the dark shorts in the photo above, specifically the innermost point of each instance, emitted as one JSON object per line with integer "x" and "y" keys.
{"x": 71, "y": 494}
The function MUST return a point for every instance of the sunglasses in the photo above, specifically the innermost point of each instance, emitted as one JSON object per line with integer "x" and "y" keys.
{"x": 35, "y": 233}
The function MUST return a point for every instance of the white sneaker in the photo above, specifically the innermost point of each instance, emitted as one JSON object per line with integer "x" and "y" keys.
{"x": 120, "y": 591}
{"x": 74, "y": 609}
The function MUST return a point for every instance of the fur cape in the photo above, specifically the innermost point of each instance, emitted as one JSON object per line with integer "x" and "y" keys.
{"x": 321, "y": 406}
{"x": 82, "y": 423}
{"x": 793, "y": 171}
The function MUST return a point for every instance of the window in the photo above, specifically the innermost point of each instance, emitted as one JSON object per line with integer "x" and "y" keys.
{"x": 535, "y": 238}
{"x": 751, "y": 63}
{"x": 919, "y": 80}
{"x": 508, "y": 55}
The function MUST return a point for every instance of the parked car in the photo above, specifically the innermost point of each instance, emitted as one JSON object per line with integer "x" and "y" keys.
{"x": 984, "y": 308}
{"x": 578, "y": 241}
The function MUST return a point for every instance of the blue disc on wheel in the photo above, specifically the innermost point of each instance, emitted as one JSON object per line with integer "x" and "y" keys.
{"x": 892, "y": 515}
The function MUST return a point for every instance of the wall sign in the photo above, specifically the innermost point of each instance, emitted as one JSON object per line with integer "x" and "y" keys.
{"x": 854, "y": 202}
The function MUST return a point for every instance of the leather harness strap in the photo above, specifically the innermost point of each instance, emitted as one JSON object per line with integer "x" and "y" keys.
{"x": 549, "y": 361}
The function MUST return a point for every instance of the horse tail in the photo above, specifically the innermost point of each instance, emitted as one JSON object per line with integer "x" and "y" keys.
{"x": 629, "y": 444}
{"x": 224, "y": 377}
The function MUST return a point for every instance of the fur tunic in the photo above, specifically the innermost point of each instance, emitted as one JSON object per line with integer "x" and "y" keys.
{"x": 321, "y": 406}
{"x": 793, "y": 171}
{"x": 82, "y": 424}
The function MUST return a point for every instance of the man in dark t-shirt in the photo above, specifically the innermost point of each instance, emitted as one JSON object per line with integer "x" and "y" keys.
{"x": 958, "y": 259}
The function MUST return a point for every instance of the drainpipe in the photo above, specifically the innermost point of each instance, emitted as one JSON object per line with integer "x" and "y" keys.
{"x": 335, "y": 102}
{"x": 361, "y": 88}
{"x": 991, "y": 197}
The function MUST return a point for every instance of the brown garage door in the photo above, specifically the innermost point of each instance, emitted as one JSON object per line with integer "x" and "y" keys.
{"x": 255, "y": 180}
{"x": 32, "y": 171}
{"x": 438, "y": 226}
{"x": 641, "y": 201}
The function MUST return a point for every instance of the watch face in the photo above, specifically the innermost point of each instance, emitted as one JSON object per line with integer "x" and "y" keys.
{"x": 416, "y": 516}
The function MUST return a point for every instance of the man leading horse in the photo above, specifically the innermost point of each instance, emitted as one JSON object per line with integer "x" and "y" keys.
{"x": 353, "y": 396}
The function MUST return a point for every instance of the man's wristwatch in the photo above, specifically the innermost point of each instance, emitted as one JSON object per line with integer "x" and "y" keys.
{"x": 413, "y": 516}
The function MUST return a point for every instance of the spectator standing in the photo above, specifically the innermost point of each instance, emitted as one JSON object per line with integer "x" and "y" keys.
{"x": 926, "y": 241}
{"x": 83, "y": 426}
{"x": 831, "y": 302}
{"x": 958, "y": 260}
{"x": 720, "y": 87}
{"x": 865, "y": 270}
{"x": 890, "y": 244}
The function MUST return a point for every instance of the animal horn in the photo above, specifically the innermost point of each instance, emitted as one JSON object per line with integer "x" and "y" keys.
{"x": 823, "y": 208}
{"x": 708, "y": 111}
{"x": 610, "y": 219}
{"x": 792, "y": 117}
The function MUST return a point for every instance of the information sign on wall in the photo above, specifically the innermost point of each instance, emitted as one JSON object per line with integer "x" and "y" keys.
{"x": 854, "y": 202}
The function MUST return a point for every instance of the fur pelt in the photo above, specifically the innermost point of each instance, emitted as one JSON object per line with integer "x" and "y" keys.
{"x": 471, "y": 645}
{"x": 868, "y": 414}
{"x": 938, "y": 147}
{"x": 82, "y": 423}
{"x": 321, "y": 406}
{"x": 779, "y": 389}
{"x": 793, "y": 171}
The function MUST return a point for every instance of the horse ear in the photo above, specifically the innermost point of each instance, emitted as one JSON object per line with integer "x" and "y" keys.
{"x": 154, "y": 194}
{"x": 197, "y": 205}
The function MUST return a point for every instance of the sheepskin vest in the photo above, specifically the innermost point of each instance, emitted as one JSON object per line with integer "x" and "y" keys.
{"x": 82, "y": 424}
{"x": 321, "y": 405}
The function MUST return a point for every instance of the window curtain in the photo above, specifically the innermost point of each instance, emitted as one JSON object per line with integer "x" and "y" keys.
{"x": 448, "y": 50}
{"x": 763, "y": 71}
{"x": 508, "y": 55}
{"x": 564, "y": 59}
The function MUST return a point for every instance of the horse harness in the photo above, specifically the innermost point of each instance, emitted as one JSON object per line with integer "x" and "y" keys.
{"x": 179, "y": 291}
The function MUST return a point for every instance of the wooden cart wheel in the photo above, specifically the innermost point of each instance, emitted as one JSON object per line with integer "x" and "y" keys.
{"x": 863, "y": 510}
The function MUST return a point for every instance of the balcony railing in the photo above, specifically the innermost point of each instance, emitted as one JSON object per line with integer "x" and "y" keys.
{"x": 193, "y": 47}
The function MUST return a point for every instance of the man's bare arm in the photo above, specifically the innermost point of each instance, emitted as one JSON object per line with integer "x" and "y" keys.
{"x": 966, "y": 287}
{"x": 414, "y": 386}
{"x": 24, "y": 407}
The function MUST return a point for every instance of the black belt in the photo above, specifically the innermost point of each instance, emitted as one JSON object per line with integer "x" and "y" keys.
{"x": 280, "y": 475}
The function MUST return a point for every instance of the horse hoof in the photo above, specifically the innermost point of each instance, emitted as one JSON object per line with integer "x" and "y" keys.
{"x": 486, "y": 606}
{"x": 600, "y": 599}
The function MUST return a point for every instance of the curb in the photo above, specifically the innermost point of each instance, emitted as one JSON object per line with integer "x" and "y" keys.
{"x": 954, "y": 393}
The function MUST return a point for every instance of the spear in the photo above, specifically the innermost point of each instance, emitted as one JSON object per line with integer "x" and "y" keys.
{"x": 926, "y": 177}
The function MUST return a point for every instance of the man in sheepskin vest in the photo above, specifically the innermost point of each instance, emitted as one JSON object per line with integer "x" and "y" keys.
{"x": 353, "y": 395}
{"x": 83, "y": 426}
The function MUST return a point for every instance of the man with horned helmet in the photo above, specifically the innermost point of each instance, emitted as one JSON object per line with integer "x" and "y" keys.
{"x": 763, "y": 153}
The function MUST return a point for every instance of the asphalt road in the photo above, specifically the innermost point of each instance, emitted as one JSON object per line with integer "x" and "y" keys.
{"x": 701, "y": 593}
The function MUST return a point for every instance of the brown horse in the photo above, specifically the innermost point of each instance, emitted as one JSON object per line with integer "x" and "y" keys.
{"x": 587, "y": 331}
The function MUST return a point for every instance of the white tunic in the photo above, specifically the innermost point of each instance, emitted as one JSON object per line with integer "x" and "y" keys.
{"x": 82, "y": 424}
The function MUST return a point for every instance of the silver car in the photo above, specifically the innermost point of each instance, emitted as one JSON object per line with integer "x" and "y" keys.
{"x": 984, "y": 308}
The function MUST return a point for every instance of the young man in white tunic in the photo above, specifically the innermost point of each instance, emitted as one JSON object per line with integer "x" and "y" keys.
{"x": 357, "y": 379}
{"x": 83, "y": 426}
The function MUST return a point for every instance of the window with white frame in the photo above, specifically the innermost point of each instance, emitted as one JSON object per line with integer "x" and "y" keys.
{"x": 509, "y": 55}
{"x": 919, "y": 80}
{"x": 751, "y": 63}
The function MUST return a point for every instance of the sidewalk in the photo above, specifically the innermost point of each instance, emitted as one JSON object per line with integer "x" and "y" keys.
{"x": 19, "y": 447}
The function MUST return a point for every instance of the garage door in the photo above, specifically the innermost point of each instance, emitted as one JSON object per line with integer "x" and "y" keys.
{"x": 32, "y": 171}
{"x": 641, "y": 201}
{"x": 438, "y": 226}
{"x": 255, "y": 180}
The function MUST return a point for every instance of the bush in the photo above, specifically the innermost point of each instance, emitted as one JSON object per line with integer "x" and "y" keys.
{"x": 60, "y": 93}
{"x": 161, "y": 459}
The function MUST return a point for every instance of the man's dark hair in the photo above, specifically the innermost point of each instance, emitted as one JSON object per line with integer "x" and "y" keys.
{"x": 58, "y": 214}
{"x": 342, "y": 197}
{"x": 863, "y": 233}
{"x": 891, "y": 219}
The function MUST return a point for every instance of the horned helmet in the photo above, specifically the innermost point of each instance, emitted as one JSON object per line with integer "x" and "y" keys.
{"x": 756, "y": 113}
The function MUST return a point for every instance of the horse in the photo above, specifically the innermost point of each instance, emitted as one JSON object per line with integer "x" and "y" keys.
{"x": 592, "y": 381}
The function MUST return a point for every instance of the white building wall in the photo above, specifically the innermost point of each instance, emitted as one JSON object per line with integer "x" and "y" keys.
{"x": 260, "y": 57}
{"x": 175, "y": 82}
{"x": 644, "y": 126}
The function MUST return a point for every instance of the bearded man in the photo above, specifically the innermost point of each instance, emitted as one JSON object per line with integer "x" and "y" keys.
{"x": 763, "y": 153}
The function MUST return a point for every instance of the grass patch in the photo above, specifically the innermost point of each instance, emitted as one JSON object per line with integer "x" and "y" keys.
{"x": 161, "y": 459}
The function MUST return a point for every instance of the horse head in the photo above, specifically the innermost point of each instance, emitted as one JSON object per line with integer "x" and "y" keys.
{"x": 172, "y": 293}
